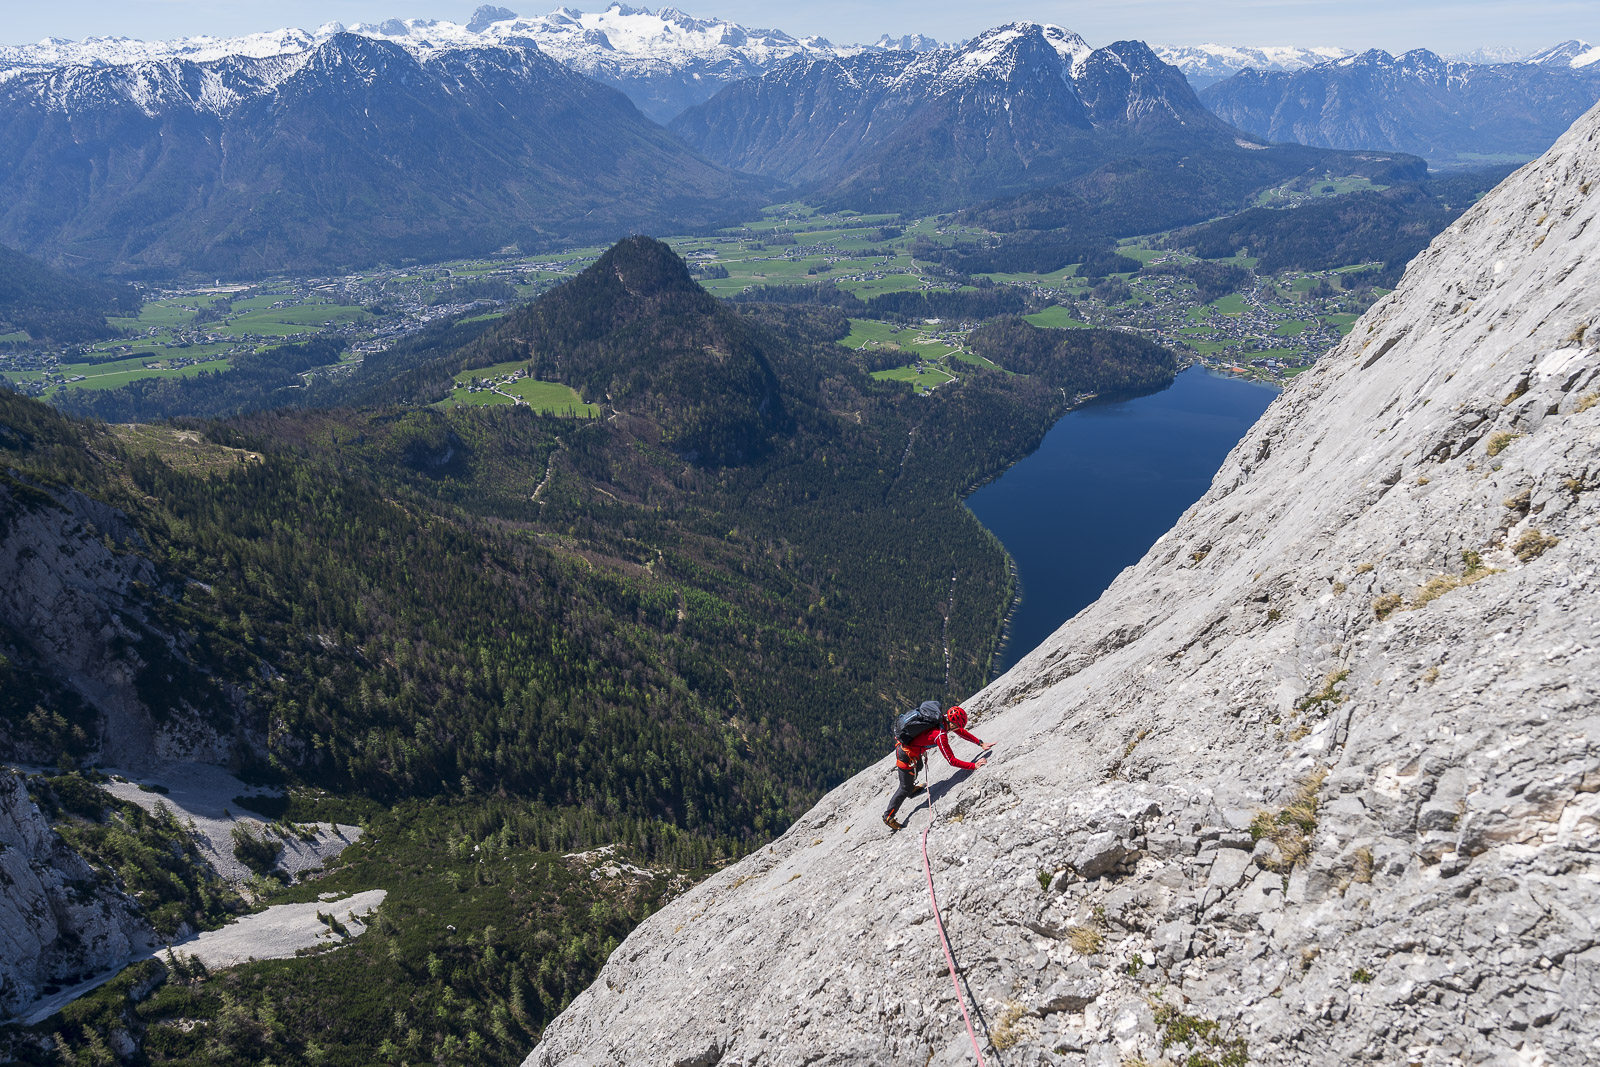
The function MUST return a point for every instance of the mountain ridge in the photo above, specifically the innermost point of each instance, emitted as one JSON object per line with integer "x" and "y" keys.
{"x": 1020, "y": 108}
{"x": 1417, "y": 102}
{"x": 351, "y": 152}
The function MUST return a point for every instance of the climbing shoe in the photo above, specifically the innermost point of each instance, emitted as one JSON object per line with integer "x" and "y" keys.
{"x": 917, "y": 791}
{"x": 892, "y": 823}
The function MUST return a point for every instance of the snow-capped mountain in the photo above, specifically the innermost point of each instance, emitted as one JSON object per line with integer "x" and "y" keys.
{"x": 1572, "y": 54}
{"x": 1206, "y": 64}
{"x": 1416, "y": 102}
{"x": 1019, "y": 107}
{"x": 664, "y": 61}
{"x": 1488, "y": 54}
{"x": 911, "y": 42}
{"x": 348, "y": 152}
{"x": 816, "y": 117}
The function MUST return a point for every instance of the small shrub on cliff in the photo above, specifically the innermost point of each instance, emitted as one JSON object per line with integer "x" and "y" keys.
{"x": 1204, "y": 1039}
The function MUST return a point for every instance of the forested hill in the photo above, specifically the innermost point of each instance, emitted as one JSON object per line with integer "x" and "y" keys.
{"x": 482, "y": 627}
{"x": 636, "y": 331}
{"x": 52, "y": 305}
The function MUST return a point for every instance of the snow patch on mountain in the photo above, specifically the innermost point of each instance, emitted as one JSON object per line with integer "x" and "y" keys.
{"x": 1574, "y": 53}
{"x": 1203, "y": 64}
{"x": 663, "y": 60}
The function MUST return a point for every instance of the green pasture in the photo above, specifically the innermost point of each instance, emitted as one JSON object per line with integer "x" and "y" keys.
{"x": 551, "y": 398}
{"x": 1056, "y": 317}
{"x": 867, "y": 288}
{"x": 921, "y": 380}
{"x": 866, "y": 332}
{"x": 282, "y": 322}
{"x": 112, "y": 375}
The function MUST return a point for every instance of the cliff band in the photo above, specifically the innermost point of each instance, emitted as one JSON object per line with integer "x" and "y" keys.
{"x": 1315, "y": 781}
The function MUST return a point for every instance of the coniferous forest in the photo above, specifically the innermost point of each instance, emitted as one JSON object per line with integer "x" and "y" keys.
{"x": 493, "y": 637}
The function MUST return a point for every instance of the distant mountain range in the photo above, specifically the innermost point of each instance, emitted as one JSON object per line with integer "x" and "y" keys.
{"x": 1024, "y": 106}
{"x": 1444, "y": 111}
{"x": 295, "y": 150}
{"x": 1207, "y": 64}
{"x": 353, "y": 151}
{"x": 667, "y": 61}
{"x": 664, "y": 61}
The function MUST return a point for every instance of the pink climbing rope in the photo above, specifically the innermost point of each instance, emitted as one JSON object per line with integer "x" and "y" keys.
{"x": 948, "y": 958}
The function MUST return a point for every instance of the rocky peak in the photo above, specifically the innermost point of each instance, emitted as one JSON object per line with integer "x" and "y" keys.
{"x": 1313, "y": 781}
{"x": 487, "y": 15}
{"x": 1573, "y": 53}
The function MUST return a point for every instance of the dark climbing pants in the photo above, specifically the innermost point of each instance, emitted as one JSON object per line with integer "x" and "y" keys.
{"x": 908, "y": 781}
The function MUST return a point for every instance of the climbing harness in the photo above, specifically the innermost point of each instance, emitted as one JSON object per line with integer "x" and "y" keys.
{"x": 949, "y": 959}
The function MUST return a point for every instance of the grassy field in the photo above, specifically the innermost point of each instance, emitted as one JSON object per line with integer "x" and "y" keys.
{"x": 551, "y": 398}
{"x": 1057, "y": 317}
{"x": 284, "y": 322}
{"x": 1232, "y": 304}
{"x": 112, "y": 375}
{"x": 867, "y": 288}
{"x": 928, "y": 377}
{"x": 1293, "y": 328}
{"x": 864, "y": 333}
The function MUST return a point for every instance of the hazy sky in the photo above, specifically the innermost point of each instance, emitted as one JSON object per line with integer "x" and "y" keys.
{"x": 1395, "y": 25}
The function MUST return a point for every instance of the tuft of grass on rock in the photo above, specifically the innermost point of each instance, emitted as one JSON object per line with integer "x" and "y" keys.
{"x": 1387, "y": 605}
{"x": 1085, "y": 940}
{"x": 1533, "y": 544}
{"x": 1011, "y": 1029}
{"x": 1498, "y": 442}
{"x": 1292, "y": 826}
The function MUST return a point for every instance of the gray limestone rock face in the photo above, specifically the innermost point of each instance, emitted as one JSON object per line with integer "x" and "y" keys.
{"x": 1385, "y": 666}
{"x": 74, "y": 599}
{"x": 58, "y": 925}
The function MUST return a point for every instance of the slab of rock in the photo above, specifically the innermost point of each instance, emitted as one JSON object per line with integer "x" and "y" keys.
{"x": 1391, "y": 646}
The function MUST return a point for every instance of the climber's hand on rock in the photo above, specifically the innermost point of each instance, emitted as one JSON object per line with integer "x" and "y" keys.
{"x": 980, "y": 761}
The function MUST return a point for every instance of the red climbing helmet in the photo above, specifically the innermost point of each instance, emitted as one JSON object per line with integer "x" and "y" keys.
{"x": 956, "y": 717}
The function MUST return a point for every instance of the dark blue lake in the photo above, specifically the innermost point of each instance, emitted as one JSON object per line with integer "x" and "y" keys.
{"x": 1107, "y": 481}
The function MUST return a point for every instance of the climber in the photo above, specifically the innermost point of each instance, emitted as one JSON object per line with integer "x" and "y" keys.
{"x": 915, "y": 732}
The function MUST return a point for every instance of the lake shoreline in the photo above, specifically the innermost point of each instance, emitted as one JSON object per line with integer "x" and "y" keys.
{"x": 1179, "y": 462}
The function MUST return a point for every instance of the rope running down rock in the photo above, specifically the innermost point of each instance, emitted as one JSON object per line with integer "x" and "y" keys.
{"x": 950, "y": 960}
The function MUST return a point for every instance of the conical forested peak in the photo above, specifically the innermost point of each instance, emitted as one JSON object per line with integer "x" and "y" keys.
{"x": 644, "y": 267}
{"x": 637, "y": 278}
{"x": 636, "y": 332}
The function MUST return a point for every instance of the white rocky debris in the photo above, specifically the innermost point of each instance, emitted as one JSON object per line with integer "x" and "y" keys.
{"x": 275, "y": 933}
{"x": 1315, "y": 781}
{"x": 204, "y": 797}
{"x": 283, "y": 930}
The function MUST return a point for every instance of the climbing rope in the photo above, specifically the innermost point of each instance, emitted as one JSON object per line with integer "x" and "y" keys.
{"x": 949, "y": 959}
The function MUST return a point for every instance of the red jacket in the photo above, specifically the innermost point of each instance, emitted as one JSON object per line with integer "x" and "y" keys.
{"x": 909, "y": 754}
